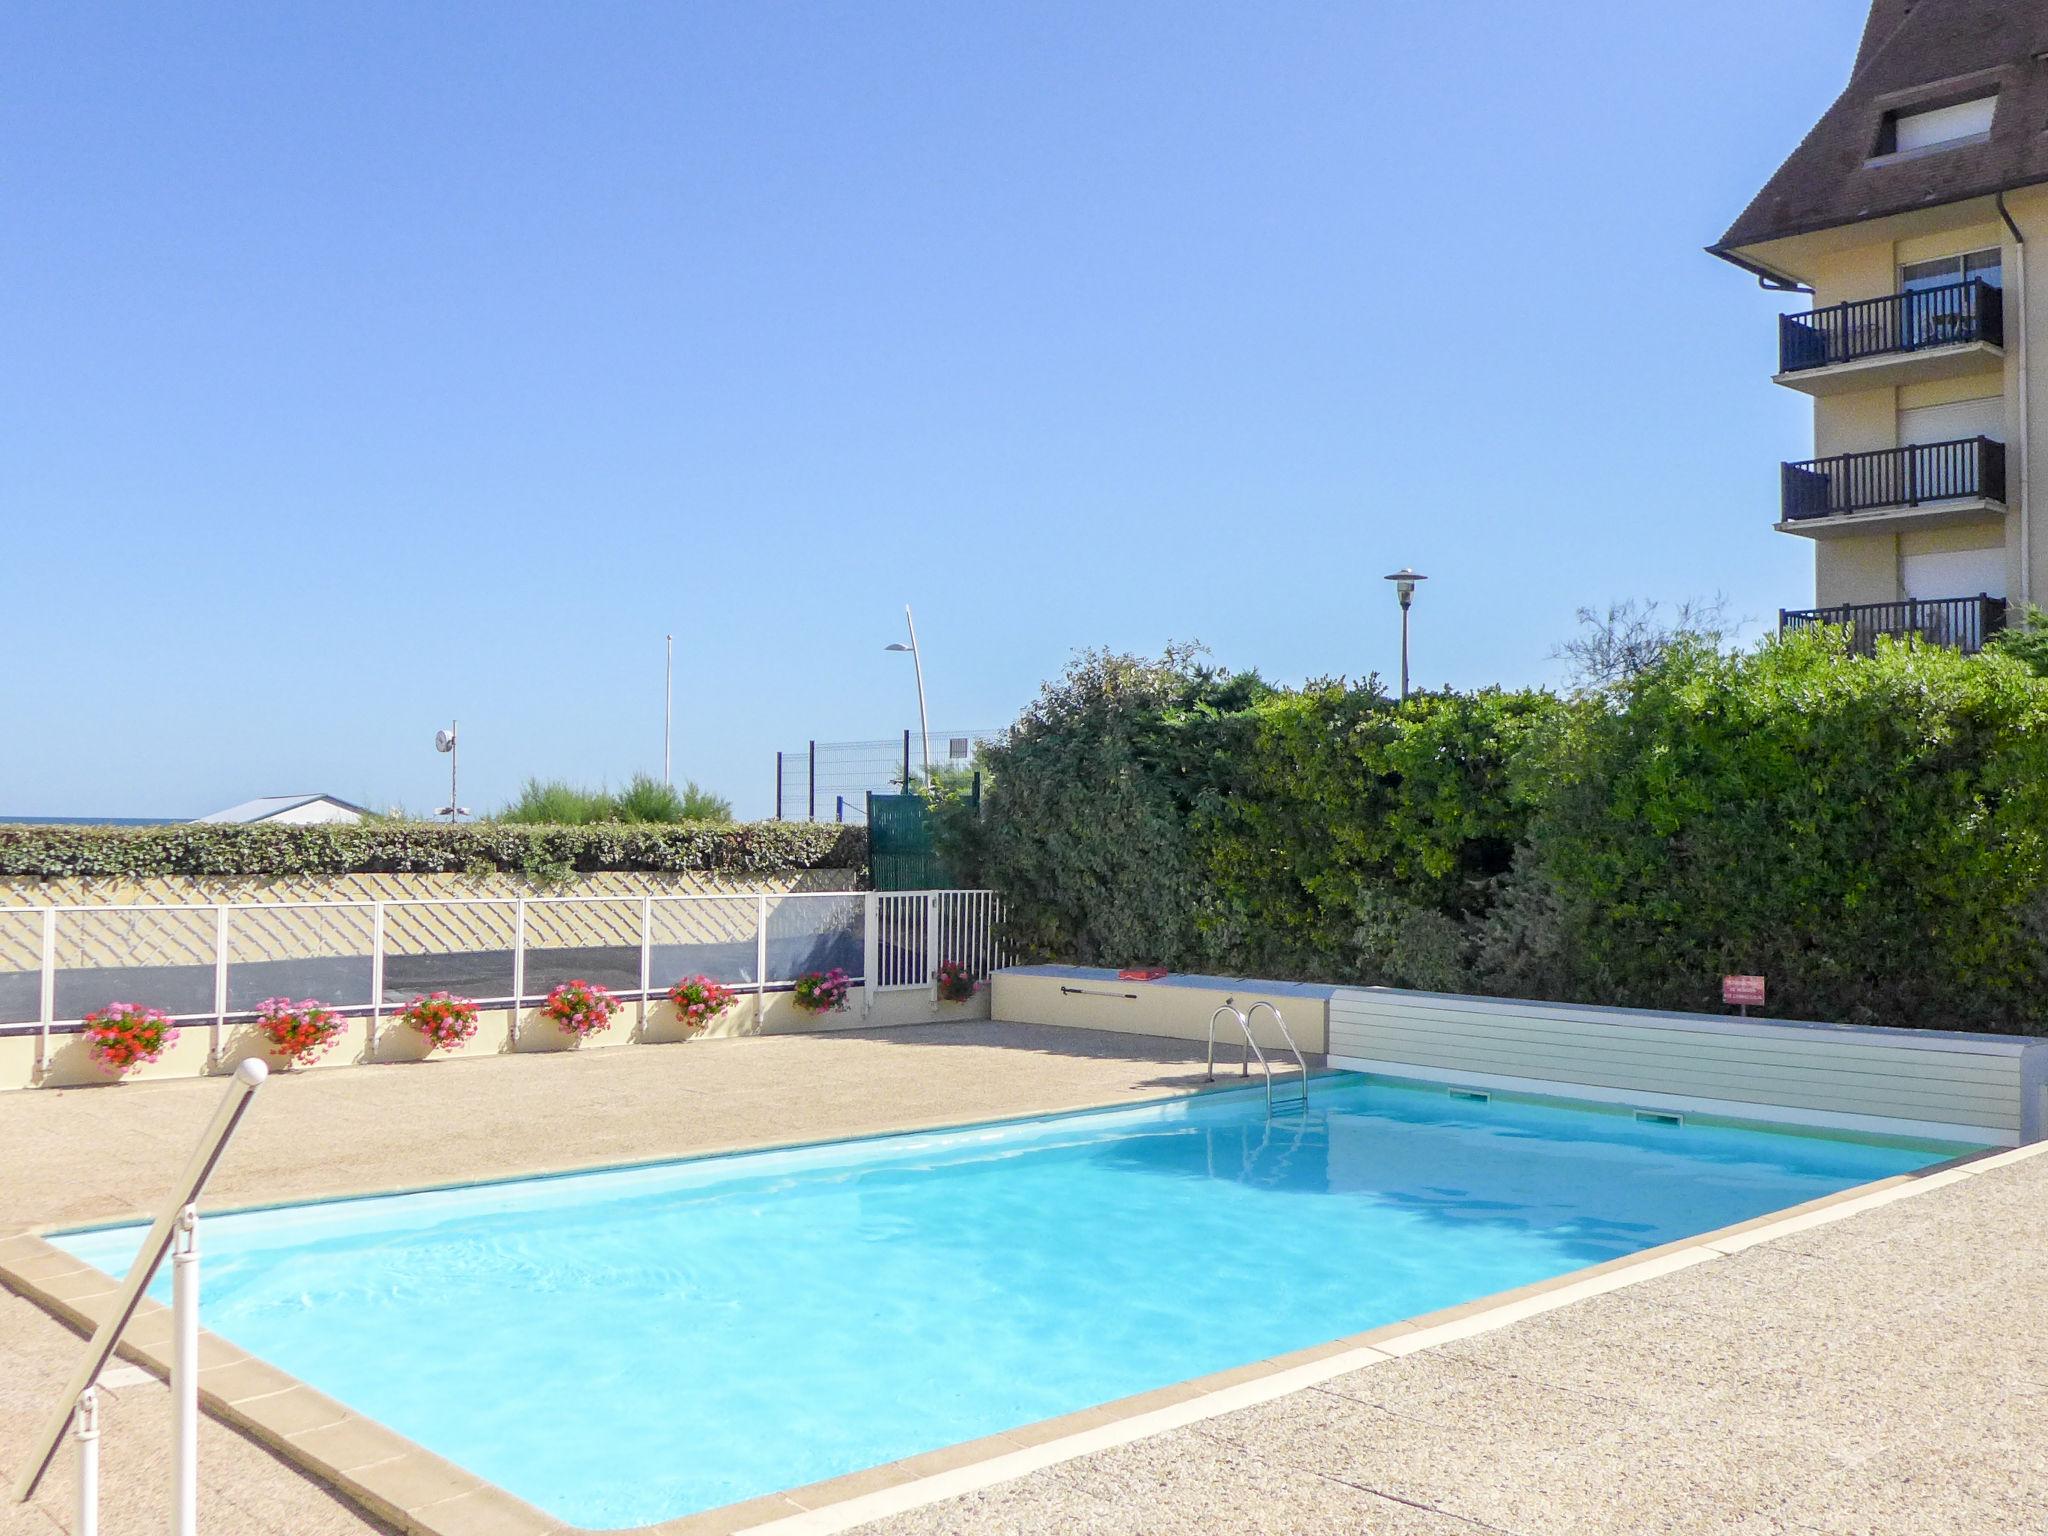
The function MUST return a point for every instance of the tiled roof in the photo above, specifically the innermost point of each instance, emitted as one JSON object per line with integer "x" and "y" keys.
{"x": 1915, "y": 54}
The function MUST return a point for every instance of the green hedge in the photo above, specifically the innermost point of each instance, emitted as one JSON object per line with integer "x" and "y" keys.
{"x": 1869, "y": 833}
{"x": 727, "y": 848}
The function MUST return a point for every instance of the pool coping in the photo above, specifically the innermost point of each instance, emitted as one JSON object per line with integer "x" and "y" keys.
{"x": 424, "y": 1494}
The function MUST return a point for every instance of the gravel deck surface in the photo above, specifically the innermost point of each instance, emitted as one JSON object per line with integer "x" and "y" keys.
{"x": 1885, "y": 1373}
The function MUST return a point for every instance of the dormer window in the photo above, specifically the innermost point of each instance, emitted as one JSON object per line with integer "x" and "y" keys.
{"x": 1911, "y": 130}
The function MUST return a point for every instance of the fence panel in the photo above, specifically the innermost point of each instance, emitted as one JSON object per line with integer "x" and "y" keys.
{"x": 161, "y": 957}
{"x": 576, "y": 938}
{"x": 902, "y": 948}
{"x": 318, "y": 949}
{"x": 21, "y": 965}
{"x": 701, "y": 936}
{"x": 464, "y": 947}
{"x": 814, "y": 933}
{"x": 968, "y": 921}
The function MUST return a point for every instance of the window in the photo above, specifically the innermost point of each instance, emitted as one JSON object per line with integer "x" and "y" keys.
{"x": 1981, "y": 265}
{"x": 1936, "y": 127}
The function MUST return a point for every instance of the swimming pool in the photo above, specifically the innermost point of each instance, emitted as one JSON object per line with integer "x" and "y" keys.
{"x": 626, "y": 1346}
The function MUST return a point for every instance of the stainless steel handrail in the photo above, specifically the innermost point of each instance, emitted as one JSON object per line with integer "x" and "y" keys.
{"x": 1251, "y": 1049}
{"x": 173, "y": 1224}
{"x": 1285, "y": 1034}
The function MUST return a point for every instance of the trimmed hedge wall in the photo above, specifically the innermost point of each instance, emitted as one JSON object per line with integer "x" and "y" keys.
{"x": 1870, "y": 833}
{"x": 364, "y": 848}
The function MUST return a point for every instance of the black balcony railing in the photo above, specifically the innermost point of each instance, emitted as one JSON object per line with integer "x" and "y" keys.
{"x": 1963, "y": 622}
{"x": 1898, "y": 322}
{"x": 1967, "y": 468}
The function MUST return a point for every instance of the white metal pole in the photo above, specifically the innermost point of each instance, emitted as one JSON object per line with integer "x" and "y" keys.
{"x": 870, "y": 950}
{"x": 87, "y": 1419}
{"x": 46, "y": 1006}
{"x": 185, "y": 1374}
{"x": 518, "y": 970}
{"x": 646, "y": 958}
{"x": 218, "y": 1029}
{"x": 924, "y": 723}
{"x": 376, "y": 979}
{"x": 668, "y": 711}
{"x": 454, "y": 752}
{"x": 931, "y": 943}
{"x": 761, "y": 959}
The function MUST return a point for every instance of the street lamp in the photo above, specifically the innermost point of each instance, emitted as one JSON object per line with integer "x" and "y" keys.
{"x": 924, "y": 722}
{"x": 1404, "y": 587}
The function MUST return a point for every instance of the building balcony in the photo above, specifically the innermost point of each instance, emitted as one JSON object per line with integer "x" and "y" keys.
{"x": 1894, "y": 488}
{"x": 1902, "y": 338}
{"x": 1963, "y": 622}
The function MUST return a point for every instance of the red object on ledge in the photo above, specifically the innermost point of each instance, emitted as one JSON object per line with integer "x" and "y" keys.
{"x": 1142, "y": 973}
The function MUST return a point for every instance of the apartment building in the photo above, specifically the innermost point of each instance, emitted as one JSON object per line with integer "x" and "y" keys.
{"x": 1906, "y": 219}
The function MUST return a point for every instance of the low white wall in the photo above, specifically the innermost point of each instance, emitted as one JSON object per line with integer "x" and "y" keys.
{"x": 1177, "y": 1007}
{"x": 1990, "y": 1089}
{"x": 1982, "y": 1088}
{"x": 70, "y": 1064}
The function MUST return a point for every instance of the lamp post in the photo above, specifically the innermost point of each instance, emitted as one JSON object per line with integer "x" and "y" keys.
{"x": 444, "y": 741}
{"x": 1404, "y": 588}
{"x": 668, "y": 709}
{"x": 924, "y": 723}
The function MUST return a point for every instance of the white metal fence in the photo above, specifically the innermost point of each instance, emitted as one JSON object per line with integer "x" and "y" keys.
{"x": 214, "y": 964}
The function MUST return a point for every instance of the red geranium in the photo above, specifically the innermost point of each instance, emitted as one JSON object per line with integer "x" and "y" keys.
{"x": 447, "y": 1021}
{"x": 699, "y": 1000}
{"x": 300, "y": 1032}
{"x": 581, "y": 1007}
{"x": 124, "y": 1036}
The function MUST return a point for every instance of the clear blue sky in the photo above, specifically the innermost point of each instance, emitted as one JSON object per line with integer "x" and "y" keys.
{"x": 377, "y": 363}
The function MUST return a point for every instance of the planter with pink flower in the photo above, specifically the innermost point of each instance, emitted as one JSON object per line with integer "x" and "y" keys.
{"x": 298, "y": 1033}
{"x": 581, "y": 1008}
{"x": 822, "y": 991}
{"x": 124, "y": 1037}
{"x": 700, "y": 1002}
{"x": 445, "y": 1021}
{"x": 956, "y": 982}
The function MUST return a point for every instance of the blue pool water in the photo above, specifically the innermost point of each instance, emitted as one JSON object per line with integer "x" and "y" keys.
{"x": 627, "y": 1346}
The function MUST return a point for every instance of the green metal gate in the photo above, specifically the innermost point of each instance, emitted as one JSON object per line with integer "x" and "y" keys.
{"x": 900, "y": 856}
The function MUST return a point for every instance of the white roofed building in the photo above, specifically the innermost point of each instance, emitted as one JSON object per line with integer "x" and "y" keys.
{"x": 289, "y": 810}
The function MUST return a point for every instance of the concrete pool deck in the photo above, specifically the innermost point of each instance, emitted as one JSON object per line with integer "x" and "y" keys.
{"x": 1883, "y": 1371}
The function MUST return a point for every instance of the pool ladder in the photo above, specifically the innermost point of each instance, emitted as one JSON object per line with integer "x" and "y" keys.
{"x": 1244, "y": 1019}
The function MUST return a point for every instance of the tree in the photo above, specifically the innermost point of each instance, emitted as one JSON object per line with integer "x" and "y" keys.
{"x": 1631, "y": 637}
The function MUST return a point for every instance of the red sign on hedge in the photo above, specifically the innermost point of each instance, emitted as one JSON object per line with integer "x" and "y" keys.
{"x": 1742, "y": 991}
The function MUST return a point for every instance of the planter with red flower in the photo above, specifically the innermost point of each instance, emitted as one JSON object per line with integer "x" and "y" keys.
{"x": 300, "y": 1033}
{"x": 582, "y": 1008}
{"x": 822, "y": 991}
{"x": 125, "y": 1036}
{"x": 699, "y": 1001}
{"x": 956, "y": 982}
{"x": 443, "y": 1020}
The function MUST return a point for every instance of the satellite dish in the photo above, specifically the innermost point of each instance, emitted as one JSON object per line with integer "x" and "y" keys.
{"x": 444, "y": 741}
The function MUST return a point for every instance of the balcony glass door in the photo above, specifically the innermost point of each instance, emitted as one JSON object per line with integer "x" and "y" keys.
{"x": 1938, "y": 321}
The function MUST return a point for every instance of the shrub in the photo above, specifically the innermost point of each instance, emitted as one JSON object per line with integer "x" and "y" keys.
{"x": 699, "y": 1001}
{"x": 1868, "y": 832}
{"x": 300, "y": 1032}
{"x": 447, "y": 1021}
{"x": 581, "y": 1007}
{"x": 822, "y": 991}
{"x": 124, "y": 1036}
{"x": 956, "y": 982}
{"x": 211, "y": 849}
{"x": 645, "y": 799}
